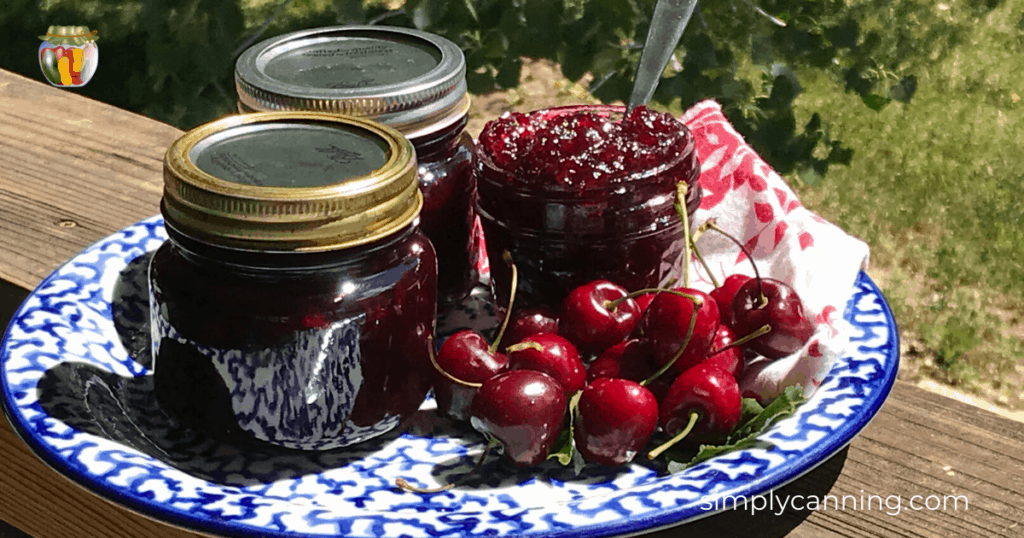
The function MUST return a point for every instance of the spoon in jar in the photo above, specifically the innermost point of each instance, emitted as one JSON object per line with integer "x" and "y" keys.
{"x": 667, "y": 25}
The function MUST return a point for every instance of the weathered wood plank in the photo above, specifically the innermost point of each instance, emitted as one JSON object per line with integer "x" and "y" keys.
{"x": 920, "y": 444}
{"x": 44, "y": 504}
{"x": 71, "y": 171}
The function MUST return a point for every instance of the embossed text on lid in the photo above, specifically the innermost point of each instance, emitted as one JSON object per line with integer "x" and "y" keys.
{"x": 401, "y": 77}
{"x": 289, "y": 154}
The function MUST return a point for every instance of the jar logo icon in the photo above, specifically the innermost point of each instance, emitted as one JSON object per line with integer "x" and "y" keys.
{"x": 68, "y": 55}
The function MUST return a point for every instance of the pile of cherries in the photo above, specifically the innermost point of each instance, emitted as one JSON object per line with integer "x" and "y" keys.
{"x": 616, "y": 365}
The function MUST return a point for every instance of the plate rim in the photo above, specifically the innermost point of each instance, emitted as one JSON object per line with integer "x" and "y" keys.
{"x": 665, "y": 519}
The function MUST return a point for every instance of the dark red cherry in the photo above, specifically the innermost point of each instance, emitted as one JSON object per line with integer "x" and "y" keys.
{"x": 528, "y": 321}
{"x": 727, "y": 358}
{"x": 724, "y": 294}
{"x": 466, "y": 356}
{"x": 783, "y": 312}
{"x": 643, "y": 301}
{"x": 524, "y": 410}
{"x": 710, "y": 392}
{"x": 551, "y": 354}
{"x": 631, "y": 359}
{"x": 616, "y": 419}
{"x": 597, "y": 315}
{"x": 667, "y": 320}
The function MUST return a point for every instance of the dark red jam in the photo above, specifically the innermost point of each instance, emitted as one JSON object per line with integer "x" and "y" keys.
{"x": 447, "y": 180}
{"x": 576, "y": 194}
{"x": 302, "y": 350}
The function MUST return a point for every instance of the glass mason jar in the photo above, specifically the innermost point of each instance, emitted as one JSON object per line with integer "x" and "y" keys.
{"x": 294, "y": 302}
{"x": 623, "y": 228}
{"x": 411, "y": 80}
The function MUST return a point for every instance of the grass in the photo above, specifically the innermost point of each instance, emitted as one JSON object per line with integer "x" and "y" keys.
{"x": 936, "y": 189}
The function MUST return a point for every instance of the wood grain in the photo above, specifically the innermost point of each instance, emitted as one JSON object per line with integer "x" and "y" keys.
{"x": 73, "y": 171}
{"x": 920, "y": 444}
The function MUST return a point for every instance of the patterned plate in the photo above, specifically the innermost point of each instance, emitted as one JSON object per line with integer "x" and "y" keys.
{"x": 77, "y": 386}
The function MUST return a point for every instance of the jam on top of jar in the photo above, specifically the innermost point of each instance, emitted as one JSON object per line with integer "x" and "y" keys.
{"x": 583, "y": 149}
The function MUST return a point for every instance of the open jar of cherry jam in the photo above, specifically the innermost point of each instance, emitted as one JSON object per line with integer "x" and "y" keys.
{"x": 294, "y": 301}
{"x": 579, "y": 193}
{"x": 411, "y": 80}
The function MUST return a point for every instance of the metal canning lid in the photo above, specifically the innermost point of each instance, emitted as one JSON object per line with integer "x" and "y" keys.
{"x": 411, "y": 80}
{"x": 290, "y": 181}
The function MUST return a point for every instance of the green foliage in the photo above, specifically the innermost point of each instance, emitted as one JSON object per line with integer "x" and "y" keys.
{"x": 744, "y": 55}
{"x": 174, "y": 58}
{"x": 936, "y": 189}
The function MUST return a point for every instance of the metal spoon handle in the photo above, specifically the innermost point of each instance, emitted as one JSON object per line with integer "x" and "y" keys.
{"x": 667, "y": 25}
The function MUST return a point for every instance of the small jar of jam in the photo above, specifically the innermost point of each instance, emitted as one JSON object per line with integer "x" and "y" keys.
{"x": 294, "y": 302}
{"x": 579, "y": 193}
{"x": 411, "y": 80}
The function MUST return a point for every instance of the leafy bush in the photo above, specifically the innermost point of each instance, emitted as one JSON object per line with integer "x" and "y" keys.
{"x": 173, "y": 59}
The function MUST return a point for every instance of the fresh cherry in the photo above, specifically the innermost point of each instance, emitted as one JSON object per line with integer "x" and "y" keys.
{"x": 631, "y": 359}
{"x": 702, "y": 406}
{"x": 643, "y": 301}
{"x": 466, "y": 360}
{"x": 616, "y": 417}
{"x": 467, "y": 357}
{"x": 529, "y": 321}
{"x": 724, "y": 354}
{"x": 551, "y": 354}
{"x": 597, "y": 315}
{"x": 724, "y": 294}
{"x": 770, "y": 305}
{"x": 667, "y": 325}
{"x": 524, "y": 410}
{"x": 780, "y": 308}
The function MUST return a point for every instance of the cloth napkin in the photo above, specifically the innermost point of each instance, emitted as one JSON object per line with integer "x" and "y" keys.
{"x": 788, "y": 242}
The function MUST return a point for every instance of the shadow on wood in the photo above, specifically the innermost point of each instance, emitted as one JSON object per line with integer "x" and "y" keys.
{"x": 765, "y": 520}
{"x": 11, "y": 297}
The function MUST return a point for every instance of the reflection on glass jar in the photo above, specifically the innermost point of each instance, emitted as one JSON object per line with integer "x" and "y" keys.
{"x": 294, "y": 302}
{"x": 411, "y": 80}
{"x": 572, "y": 204}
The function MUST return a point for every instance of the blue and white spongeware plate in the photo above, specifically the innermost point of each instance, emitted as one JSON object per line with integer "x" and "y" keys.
{"x": 77, "y": 387}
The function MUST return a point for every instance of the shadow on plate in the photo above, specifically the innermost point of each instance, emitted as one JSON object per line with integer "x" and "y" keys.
{"x": 125, "y": 410}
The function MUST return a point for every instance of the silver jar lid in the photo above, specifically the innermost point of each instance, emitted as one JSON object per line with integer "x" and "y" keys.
{"x": 411, "y": 80}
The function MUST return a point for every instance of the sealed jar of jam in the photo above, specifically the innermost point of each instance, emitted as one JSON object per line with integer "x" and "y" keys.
{"x": 411, "y": 80}
{"x": 579, "y": 193}
{"x": 294, "y": 302}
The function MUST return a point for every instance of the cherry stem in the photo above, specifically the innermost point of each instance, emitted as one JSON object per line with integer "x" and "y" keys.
{"x": 507, "y": 256}
{"x": 450, "y": 377}
{"x": 760, "y": 290}
{"x": 763, "y": 330}
{"x": 700, "y": 258}
{"x": 694, "y": 417}
{"x": 536, "y": 346}
{"x": 681, "y": 190}
{"x": 682, "y": 348}
{"x": 612, "y": 305}
{"x": 703, "y": 228}
{"x": 405, "y": 485}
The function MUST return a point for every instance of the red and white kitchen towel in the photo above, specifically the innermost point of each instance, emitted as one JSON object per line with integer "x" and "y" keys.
{"x": 752, "y": 202}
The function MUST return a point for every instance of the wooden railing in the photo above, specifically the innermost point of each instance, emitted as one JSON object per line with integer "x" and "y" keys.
{"x": 73, "y": 170}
